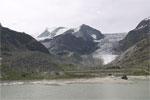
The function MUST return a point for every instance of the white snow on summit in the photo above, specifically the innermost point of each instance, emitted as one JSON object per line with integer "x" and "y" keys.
{"x": 51, "y": 29}
{"x": 148, "y": 18}
{"x": 76, "y": 29}
{"x": 61, "y": 31}
{"x": 53, "y": 32}
{"x": 42, "y": 38}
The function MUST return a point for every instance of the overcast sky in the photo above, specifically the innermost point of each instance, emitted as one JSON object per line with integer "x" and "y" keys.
{"x": 33, "y": 16}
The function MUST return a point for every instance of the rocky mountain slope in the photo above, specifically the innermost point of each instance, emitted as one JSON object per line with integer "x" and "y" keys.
{"x": 16, "y": 41}
{"x": 140, "y": 32}
{"x": 137, "y": 48}
{"x": 80, "y": 40}
{"x": 66, "y": 43}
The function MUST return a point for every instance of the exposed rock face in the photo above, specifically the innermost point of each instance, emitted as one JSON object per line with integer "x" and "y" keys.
{"x": 140, "y": 32}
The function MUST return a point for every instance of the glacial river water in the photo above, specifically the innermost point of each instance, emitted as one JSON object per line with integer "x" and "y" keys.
{"x": 110, "y": 91}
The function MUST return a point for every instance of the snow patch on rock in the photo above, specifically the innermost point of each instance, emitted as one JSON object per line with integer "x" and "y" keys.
{"x": 93, "y": 36}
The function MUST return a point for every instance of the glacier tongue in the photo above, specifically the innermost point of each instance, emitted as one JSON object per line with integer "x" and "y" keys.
{"x": 107, "y": 58}
{"x": 106, "y": 52}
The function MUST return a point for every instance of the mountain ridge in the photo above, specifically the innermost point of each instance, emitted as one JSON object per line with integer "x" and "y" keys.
{"x": 19, "y": 41}
{"x": 79, "y": 40}
{"x": 54, "y": 32}
{"x": 135, "y": 55}
{"x": 141, "y": 31}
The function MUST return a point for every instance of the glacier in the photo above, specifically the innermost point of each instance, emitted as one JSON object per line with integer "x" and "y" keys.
{"x": 106, "y": 45}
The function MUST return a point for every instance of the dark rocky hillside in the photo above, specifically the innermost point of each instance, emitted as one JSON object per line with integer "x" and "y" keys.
{"x": 17, "y": 41}
{"x": 65, "y": 43}
{"x": 140, "y": 32}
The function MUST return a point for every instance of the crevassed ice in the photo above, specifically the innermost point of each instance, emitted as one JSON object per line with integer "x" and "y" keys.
{"x": 105, "y": 52}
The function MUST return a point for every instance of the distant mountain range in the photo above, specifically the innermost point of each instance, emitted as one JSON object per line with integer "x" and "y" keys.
{"x": 82, "y": 31}
{"x": 86, "y": 40}
{"x": 61, "y": 49}
{"x": 62, "y": 41}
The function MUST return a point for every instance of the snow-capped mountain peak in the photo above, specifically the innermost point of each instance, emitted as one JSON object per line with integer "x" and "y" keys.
{"x": 87, "y": 33}
{"x": 46, "y": 32}
{"x": 51, "y": 29}
{"x": 59, "y": 31}
{"x": 84, "y": 31}
{"x": 51, "y": 32}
